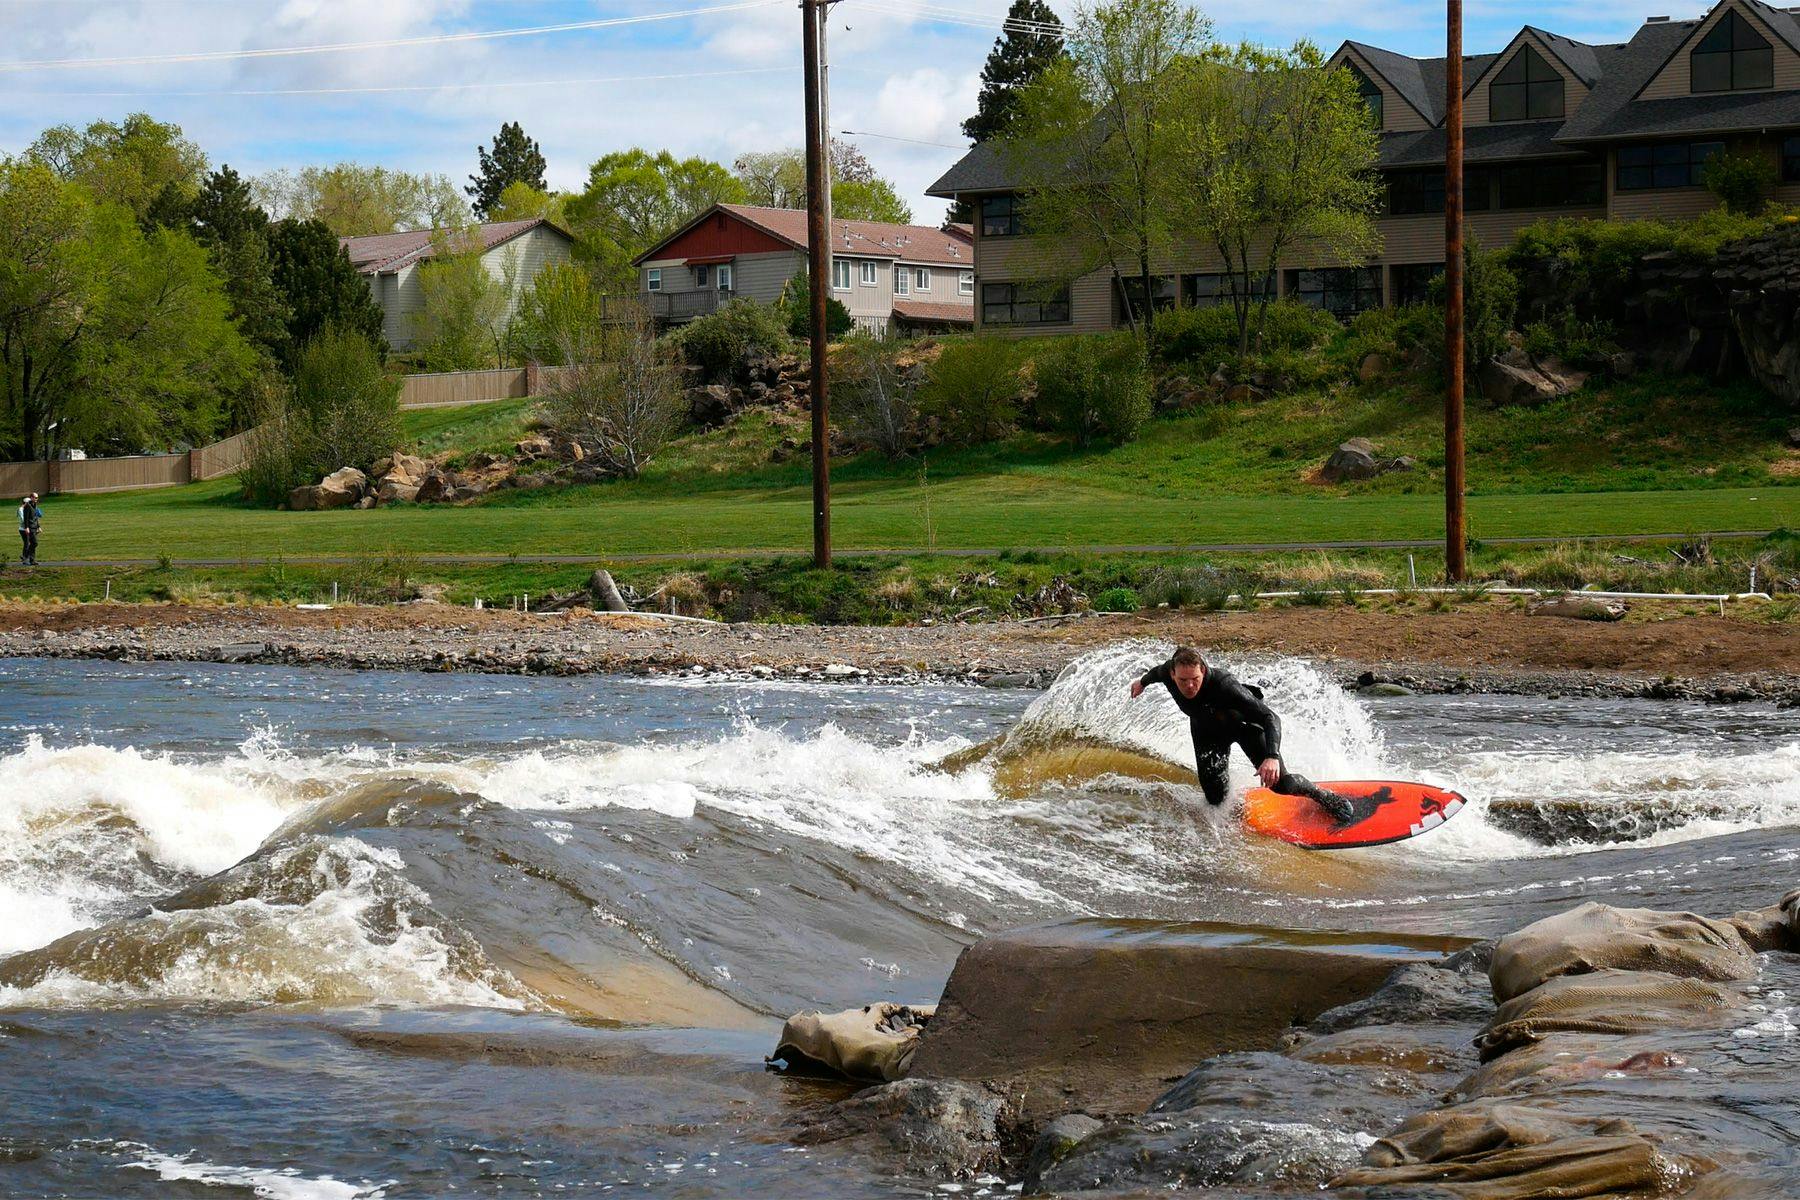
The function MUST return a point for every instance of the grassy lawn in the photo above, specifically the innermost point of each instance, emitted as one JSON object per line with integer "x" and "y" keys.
{"x": 1651, "y": 455}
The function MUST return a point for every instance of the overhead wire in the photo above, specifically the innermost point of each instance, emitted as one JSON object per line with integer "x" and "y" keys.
{"x": 205, "y": 56}
{"x": 423, "y": 87}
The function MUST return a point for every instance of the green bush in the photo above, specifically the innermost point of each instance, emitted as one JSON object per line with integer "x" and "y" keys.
{"x": 796, "y": 310}
{"x": 974, "y": 390}
{"x": 1413, "y": 331}
{"x": 1742, "y": 182}
{"x": 1117, "y": 599}
{"x": 722, "y": 343}
{"x": 1094, "y": 388}
{"x": 1292, "y": 325}
{"x": 1204, "y": 337}
{"x": 343, "y": 410}
{"x": 1570, "y": 338}
{"x": 876, "y": 396}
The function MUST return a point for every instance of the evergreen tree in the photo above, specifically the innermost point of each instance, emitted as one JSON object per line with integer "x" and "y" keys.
{"x": 314, "y": 275}
{"x": 515, "y": 159}
{"x": 235, "y": 231}
{"x": 1032, "y": 41}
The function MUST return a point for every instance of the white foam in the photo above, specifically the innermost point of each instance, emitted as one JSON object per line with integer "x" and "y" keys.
{"x": 283, "y": 1183}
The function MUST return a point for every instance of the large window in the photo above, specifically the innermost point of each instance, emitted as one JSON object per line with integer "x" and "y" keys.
{"x": 1000, "y": 217}
{"x": 840, "y": 274}
{"x": 1412, "y": 281}
{"x": 902, "y": 277}
{"x": 1341, "y": 291}
{"x": 1516, "y": 185}
{"x": 654, "y": 282}
{"x": 1206, "y": 290}
{"x": 1526, "y": 89}
{"x": 724, "y": 277}
{"x": 1732, "y": 57}
{"x": 921, "y": 279}
{"x": 1162, "y": 293}
{"x": 1790, "y": 160}
{"x": 1671, "y": 165}
{"x": 1024, "y": 304}
{"x": 965, "y": 283}
{"x": 870, "y": 273}
{"x": 1371, "y": 94}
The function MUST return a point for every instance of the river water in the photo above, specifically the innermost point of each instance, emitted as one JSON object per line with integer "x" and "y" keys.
{"x": 322, "y": 935}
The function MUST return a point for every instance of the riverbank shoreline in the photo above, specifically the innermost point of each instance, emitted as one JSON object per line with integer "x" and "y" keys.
{"x": 1490, "y": 648}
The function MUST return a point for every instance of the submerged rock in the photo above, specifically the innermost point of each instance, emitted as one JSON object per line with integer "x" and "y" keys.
{"x": 1179, "y": 1152}
{"x": 1055, "y": 1142}
{"x": 1597, "y": 936}
{"x": 941, "y": 1128}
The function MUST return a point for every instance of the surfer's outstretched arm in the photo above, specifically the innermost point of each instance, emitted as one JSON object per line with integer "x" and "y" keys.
{"x": 1157, "y": 674}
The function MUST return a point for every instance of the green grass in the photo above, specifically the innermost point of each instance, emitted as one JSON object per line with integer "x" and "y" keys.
{"x": 1653, "y": 455}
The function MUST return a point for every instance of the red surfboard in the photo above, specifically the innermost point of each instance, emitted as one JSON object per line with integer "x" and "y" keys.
{"x": 1386, "y": 811}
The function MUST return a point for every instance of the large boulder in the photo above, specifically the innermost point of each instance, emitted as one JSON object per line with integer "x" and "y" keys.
{"x": 1595, "y": 937}
{"x": 393, "y": 490}
{"x": 304, "y": 499}
{"x": 1358, "y": 458}
{"x": 1093, "y": 1013}
{"x": 711, "y": 405}
{"x": 437, "y": 487}
{"x": 1515, "y": 379}
{"x": 342, "y": 488}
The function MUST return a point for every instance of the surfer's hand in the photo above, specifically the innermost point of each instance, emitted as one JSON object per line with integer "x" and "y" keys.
{"x": 1137, "y": 688}
{"x": 1270, "y": 771}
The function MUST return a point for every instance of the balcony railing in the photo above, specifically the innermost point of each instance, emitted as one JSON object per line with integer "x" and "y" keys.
{"x": 673, "y": 308}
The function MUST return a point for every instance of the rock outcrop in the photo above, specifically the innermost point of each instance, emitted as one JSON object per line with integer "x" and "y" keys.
{"x": 1359, "y": 458}
{"x": 1516, "y": 379}
{"x": 938, "y": 1128}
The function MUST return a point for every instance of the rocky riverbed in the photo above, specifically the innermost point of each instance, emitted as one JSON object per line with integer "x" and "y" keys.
{"x": 1493, "y": 649}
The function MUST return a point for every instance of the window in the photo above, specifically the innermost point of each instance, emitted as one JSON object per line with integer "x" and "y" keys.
{"x": 1412, "y": 282}
{"x": 1732, "y": 57}
{"x": 1526, "y": 89}
{"x": 1341, "y": 291}
{"x": 1518, "y": 185}
{"x": 702, "y": 275}
{"x": 1414, "y": 192}
{"x": 965, "y": 283}
{"x": 1671, "y": 165}
{"x": 902, "y": 276}
{"x": 1371, "y": 94}
{"x": 1790, "y": 160}
{"x": 870, "y": 273}
{"x": 724, "y": 277}
{"x": 1000, "y": 217}
{"x": 1204, "y": 291}
{"x": 840, "y": 274}
{"x": 1024, "y": 304}
{"x": 921, "y": 279}
{"x": 654, "y": 281}
{"x": 1163, "y": 289}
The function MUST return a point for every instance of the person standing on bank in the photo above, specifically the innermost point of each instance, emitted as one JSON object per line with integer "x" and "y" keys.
{"x": 31, "y": 519}
{"x": 1223, "y": 712}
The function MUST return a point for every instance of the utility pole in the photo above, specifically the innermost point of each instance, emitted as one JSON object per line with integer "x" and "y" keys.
{"x": 1456, "y": 566}
{"x": 818, "y": 240}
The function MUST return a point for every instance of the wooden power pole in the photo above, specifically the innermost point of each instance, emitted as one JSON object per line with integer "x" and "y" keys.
{"x": 818, "y": 239}
{"x": 1456, "y": 566}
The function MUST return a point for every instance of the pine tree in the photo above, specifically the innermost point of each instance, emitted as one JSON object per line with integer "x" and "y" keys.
{"x": 515, "y": 159}
{"x": 1033, "y": 40}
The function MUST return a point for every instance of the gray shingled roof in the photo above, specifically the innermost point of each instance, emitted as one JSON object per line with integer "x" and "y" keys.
{"x": 980, "y": 170}
{"x": 1481, "y": 143}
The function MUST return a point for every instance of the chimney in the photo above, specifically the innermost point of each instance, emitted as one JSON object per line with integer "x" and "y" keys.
{"x": 1655, "y": 20}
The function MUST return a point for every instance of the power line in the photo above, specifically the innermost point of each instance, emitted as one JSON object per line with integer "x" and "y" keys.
{"x": 952, "y": 16}
{"x": 390, "y": 43}
{"x": 888, "y": 137}
{"x": 425, "y": 87}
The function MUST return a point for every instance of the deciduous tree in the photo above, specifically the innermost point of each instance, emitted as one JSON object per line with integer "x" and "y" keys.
{"x": 141, "y": 164}
{"x": 353, "y": 200}
{"x": 633, "y": 199}
{"x": 461, "y": 324}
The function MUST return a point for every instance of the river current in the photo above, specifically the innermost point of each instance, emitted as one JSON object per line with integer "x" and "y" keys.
{"x": 323, "y": 935}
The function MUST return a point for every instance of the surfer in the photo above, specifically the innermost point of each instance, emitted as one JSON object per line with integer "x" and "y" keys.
{"x": 1223, "y": 712}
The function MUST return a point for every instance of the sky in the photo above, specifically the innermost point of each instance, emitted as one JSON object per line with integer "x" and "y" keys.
{"x": 712, "y": 83}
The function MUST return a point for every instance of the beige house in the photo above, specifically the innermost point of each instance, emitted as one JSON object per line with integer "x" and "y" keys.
{"x": 1554, "y": 128}
{"x": 391, "y": 262}
{"x": 905, "y": 276}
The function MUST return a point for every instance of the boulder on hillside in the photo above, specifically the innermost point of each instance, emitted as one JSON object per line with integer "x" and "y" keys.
{"x": 304, "y": 499}
{"x": 342, "y": 488}
{"x": 1372, "y": 367}
{"x": 1515, "y": 378}
{"x": 1358, "y": 458}
{"x": 436, "y": 488}
{"x": 710, "y": 405}
{"x": 536, "y": 446}
{"x": 392, "y": 491}
{"x": 1793, "y": 437}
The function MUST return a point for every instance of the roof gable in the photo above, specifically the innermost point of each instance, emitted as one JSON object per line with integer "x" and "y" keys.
{"x": 1670, "y": 77}
{"x": 385, "y": 253}
{"x": 853, "y": 239}
{"x": 1399, "y": 72}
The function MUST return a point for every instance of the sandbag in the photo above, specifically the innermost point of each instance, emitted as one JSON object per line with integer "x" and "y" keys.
{"x": 1511, "y": 1152}
{"x": 1594, "y": 937}
{"x": 1620, "y": 1002}
{"x": 874, "y": 1043}
{"x": 1562, "y": 1059}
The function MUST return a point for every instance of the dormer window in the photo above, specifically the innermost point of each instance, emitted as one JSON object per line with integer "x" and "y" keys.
{"x": 1526, "y": 89}
{"x": 1371, "y": 95}
{"x": 1732, "y": 57}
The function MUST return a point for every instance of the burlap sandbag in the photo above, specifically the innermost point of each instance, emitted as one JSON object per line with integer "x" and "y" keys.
{"x": 1595, "y": 937}
{"x": 1504, "y": 1152}
{"x": 1621, "y": 1002}
{"x": 1773, "y": 928}
{"x": 875, "y": 1042}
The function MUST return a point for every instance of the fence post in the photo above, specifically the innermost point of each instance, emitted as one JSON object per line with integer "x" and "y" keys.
{"x": 52, "y": 476}
{"x": 195, "y": 463}
{"x": 534, "y": 377}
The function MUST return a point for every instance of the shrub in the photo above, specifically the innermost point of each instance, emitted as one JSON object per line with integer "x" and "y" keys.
{"x": 796, "y": 310}
{"x": 1490, "y": 303}
{"x": 1741, "y": 181}
{"x": 624, "y": 410}
{"x": 1202, "y": 336}
{"x": 1413, "y": 331}
{"x": 1093, "y": 388}
{"x": 1117, "y": 599}
{"x": 974, "y": 390}
{"x": 1572, "y": 339}
{"x": 343, "y": 410}
{"x": 722, "y": 343}
{"x": 1291, "y": 325}
{"x": 877, "y": 396}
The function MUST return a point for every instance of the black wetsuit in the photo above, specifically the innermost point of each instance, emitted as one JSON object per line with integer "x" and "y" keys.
{"x": 1227, "y": 712}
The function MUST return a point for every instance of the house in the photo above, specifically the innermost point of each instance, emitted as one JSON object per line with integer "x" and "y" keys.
{"x": 391, "y": 263}
{"x": 1554, "y": 127}
{"x": 906, "y": 276}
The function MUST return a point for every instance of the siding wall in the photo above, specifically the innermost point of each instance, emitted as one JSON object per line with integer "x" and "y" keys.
{"x": 1475, "y": 105}
{"x": 1676, "y": 78}
{"x": 402, "y": 298}
{"x": 1397, "y": 113}
{"x": 759, "y": 277}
